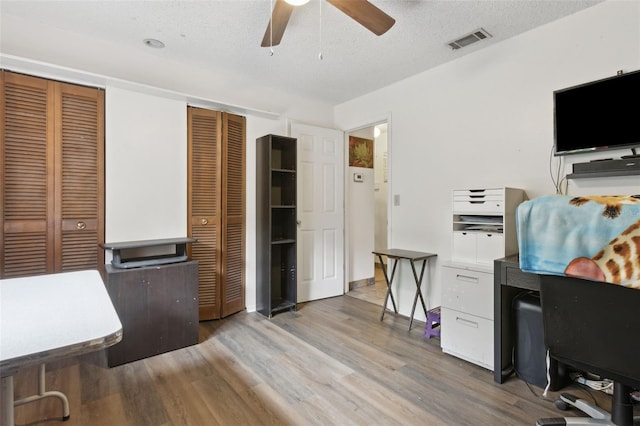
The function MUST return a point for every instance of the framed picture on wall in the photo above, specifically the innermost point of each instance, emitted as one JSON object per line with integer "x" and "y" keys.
{"x": 360, "y": 152}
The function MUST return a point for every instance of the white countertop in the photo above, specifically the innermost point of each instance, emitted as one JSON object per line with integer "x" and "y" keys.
{"x": 51, "y": 316}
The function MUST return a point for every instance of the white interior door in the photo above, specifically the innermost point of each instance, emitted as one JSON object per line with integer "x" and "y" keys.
{"x": 320, "y": 206}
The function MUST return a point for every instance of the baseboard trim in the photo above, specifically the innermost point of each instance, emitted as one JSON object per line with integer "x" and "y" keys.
{"x": 361, "y": 283}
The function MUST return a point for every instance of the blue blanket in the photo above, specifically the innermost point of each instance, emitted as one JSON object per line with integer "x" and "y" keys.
{"x": 594, "y": 237}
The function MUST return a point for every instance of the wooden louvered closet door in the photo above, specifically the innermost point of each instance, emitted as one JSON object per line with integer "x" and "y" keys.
{"x": 52, "y": 166}
{"x": 233, "y": 194}
{"x": 79, "y": 211}
{"x": 216, "y": 209}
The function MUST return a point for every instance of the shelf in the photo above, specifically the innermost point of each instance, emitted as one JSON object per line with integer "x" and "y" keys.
{"x": 133, "y": 261}
{"x": 284, "y": 241}
{"x": 276, "y": 224}
{"x": 480, "y": 231}
{"x": 610, "y": 173}
{"x": 282, "y": 153}
{"x": 482, "y": 223}
{"x": 476, "y": 223}
{"x": 278, "y": 305}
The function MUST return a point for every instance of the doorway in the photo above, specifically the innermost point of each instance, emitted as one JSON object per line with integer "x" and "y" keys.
{"x": 367, "y": 210}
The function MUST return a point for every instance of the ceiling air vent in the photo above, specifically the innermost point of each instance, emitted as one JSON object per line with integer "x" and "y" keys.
{"x": 477, "y": 35}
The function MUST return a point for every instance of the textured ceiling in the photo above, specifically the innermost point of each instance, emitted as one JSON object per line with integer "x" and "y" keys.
{"x": 225, "y": 35}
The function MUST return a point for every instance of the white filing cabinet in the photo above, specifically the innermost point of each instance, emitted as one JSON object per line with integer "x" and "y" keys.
{"x": 483, "y": 230}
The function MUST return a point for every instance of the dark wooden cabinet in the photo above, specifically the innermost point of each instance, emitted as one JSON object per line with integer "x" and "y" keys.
{"x": 276, "y": 225}
{"x": 157, "y": 306}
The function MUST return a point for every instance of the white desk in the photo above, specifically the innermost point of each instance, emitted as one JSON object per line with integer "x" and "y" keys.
{"x": 47, "y": 317}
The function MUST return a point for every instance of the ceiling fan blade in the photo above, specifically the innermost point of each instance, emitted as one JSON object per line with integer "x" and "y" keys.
{"x": 279, "y": 19}
{"x": 367, "y": 14}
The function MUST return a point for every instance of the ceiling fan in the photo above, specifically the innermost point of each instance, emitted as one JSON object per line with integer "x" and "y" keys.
{"x": 367, "y": 14}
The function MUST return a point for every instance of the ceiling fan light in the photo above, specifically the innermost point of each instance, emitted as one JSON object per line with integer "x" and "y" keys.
{"x": 297, "y": 2}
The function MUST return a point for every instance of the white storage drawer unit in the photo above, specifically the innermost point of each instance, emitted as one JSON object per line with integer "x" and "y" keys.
{"x": 484, "y": 224}
{"x": 467, "y": 313}
{"x": 468, "y": 290}
{"x": 480, "y": 201}
{"x": 467, "y": 337}
{"x": 483, "y": 230}
{"x": 478, "y": 247}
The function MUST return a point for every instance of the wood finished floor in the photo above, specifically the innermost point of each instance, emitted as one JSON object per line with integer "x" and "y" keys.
{"x": 331, "y": 363}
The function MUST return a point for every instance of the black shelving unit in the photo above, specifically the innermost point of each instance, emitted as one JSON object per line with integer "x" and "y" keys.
{"x": 276, "y": 225}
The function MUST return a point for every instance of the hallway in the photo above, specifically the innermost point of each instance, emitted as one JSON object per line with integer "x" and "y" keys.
{"x": 372, "y": 293}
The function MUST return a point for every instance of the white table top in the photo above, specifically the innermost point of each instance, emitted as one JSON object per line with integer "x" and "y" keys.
{"x": 51, "y": 316}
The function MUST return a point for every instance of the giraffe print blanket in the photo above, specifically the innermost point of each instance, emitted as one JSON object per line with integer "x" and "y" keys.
{"x": 591, "y": 237}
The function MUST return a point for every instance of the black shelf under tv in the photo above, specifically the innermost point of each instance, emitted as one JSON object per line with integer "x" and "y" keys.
{"x": 606, "y": 168}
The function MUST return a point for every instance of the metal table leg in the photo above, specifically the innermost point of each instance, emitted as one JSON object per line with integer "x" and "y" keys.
{"x": 6, "y": 417}
{"x": 388, "y": 281}
{"x": 43, "y": 393}
{"x": 418, "y": 292}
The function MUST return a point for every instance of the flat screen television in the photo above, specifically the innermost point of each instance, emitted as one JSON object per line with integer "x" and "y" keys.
{"x": 600, "y": 115}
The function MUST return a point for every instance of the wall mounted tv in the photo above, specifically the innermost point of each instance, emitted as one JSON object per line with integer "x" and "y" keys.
{"x": 599, "y": 115}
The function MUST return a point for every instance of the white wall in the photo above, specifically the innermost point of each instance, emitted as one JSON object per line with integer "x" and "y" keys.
{"x": 361, "y": 223}
{"x": 145, "y": 166}
{"x": 360, "y": 220}
{"x": 381, "y": 193}
{"x": 486, "y": 120}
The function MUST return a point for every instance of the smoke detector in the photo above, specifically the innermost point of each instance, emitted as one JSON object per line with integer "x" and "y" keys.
{"x": 472, "y": 37}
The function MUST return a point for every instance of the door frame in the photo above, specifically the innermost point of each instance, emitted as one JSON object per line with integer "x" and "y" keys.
{"x": 368, "y": 123}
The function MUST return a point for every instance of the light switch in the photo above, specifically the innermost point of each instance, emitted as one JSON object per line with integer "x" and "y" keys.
{"x": 396, "y": 200}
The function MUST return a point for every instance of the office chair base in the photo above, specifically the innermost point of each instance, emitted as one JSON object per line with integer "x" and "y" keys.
{"x": 567, "y": 400}
{"x": 597, "y": 415}
{"x": 558, "y": 421}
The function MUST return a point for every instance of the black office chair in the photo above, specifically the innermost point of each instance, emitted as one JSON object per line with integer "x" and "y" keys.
{"x": 594, "y": 327}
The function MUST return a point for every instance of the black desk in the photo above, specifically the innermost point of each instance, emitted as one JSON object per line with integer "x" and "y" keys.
{"x": 509, "y": 282}
{"x": 412, "y": 257}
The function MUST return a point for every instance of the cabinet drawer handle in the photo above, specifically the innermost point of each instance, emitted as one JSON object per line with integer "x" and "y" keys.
{"x": 467, "y": 322}
{"x": 81, "y": 225}
{"x": 203, "y": 221}
{"x": 467, "y": 278}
